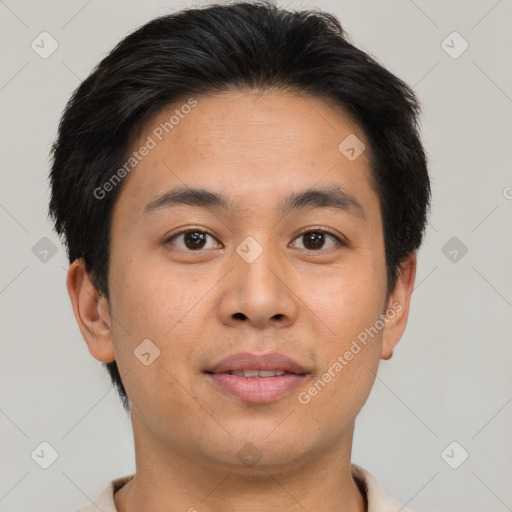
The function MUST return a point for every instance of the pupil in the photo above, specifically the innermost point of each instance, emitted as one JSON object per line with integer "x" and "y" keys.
{"x": 196, "y": 238}
{"x": 314, "y": 237}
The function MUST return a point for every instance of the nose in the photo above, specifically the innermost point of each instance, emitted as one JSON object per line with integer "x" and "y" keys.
{"x": 259, "y": 292}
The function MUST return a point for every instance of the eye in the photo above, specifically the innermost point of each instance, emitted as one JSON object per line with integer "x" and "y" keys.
{"x": 193, "y": 239}
{"x": 196, "y": 239}
{"x": 315, "y": 239}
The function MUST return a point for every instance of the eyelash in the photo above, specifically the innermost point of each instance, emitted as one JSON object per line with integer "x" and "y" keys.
{"x": 339, "y": 241}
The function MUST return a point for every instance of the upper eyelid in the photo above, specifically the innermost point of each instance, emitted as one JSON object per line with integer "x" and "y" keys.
{"x": 323, "y": 230}
{"x": 191, "y": 230}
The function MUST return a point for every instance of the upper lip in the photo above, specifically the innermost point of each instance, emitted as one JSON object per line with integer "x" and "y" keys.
{"x": 248, "y": 361}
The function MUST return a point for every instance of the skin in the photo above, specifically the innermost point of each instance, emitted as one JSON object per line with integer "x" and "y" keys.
{"x": 257, "y": 149}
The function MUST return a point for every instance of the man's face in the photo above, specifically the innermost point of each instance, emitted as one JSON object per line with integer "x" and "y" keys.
{"x": 202, "y": 297}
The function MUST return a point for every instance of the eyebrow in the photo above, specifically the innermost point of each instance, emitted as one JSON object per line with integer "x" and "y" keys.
{"x": 333, "y": 197}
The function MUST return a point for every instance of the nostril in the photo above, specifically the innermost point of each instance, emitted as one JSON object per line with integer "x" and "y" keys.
{"x": 239, "y": 316}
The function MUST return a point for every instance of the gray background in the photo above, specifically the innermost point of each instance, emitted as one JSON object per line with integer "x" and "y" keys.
{"x": 450, "y": 377}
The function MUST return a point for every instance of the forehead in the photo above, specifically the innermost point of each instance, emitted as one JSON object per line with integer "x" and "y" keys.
{"x": 251, "y": 146}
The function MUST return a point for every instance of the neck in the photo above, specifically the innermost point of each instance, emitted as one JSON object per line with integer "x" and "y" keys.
{"x": 169, "y": 480}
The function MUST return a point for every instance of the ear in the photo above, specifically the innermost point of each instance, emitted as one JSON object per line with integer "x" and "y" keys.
{"x": 91, "y": 312}
{"x": 397, "y": 311}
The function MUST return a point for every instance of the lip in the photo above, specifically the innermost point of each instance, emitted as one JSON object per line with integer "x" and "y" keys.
{"x": 257, "y": 390}
{"x": 248, "y": 361}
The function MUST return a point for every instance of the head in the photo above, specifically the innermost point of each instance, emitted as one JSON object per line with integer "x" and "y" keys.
{"x": 254, "y": 103}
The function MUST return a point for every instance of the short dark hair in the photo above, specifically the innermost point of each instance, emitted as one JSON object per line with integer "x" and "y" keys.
{"x": 245, "y": 46}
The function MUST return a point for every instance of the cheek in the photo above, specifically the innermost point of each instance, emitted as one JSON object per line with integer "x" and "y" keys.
{"x": 151, "y": 300}
{"x": 351, "y": 344}
{"x": 168, "y": 309}
{"x": 165, "y": 311}
{"x": 348, "y": 299}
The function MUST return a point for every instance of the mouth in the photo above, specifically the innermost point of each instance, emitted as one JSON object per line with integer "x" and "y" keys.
{"x": 257, "y": 374}
{"x": 257, "y": 378}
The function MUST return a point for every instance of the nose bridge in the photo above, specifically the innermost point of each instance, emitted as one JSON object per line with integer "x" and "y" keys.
{"x": 259, "y": 265}
{"x": 259, "y": 291}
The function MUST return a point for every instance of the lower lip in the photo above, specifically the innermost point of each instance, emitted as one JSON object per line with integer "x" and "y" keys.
{"x": 257, "y": 390}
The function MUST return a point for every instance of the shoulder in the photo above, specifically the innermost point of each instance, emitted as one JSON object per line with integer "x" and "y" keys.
{"x": 104, "y": 501}
{"x": 377, "y": 498}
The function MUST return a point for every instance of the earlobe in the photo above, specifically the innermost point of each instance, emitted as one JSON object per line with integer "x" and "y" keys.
{"x": 91, "y": 312}
{"x": 398, "y": 305}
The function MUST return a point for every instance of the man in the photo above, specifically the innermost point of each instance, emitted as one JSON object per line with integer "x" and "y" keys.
{"x": 242, "y": 193}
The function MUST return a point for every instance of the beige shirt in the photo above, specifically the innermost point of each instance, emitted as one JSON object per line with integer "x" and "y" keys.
{"x": 378, "y": 500}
